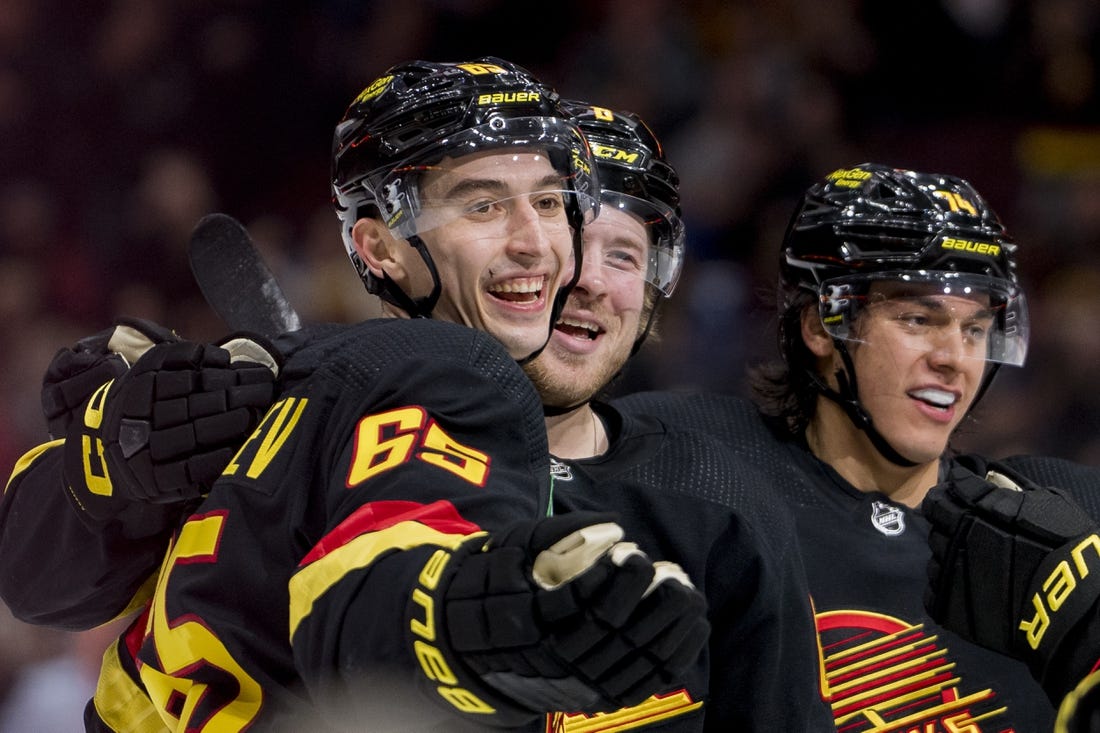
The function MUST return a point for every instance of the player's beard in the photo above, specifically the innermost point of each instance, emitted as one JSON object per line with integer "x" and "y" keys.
{"x": 563, "y": 387}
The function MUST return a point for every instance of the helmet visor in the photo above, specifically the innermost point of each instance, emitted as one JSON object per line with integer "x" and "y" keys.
{"x": 979, "y": 316}
{"x": 660, "y": 257}
{"x": 427, "y": 191}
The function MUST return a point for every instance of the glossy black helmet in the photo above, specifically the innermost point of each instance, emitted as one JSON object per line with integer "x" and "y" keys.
{"x": 872, "y": 223}
{"x": 419, "y": 112}
{"x": 635, "y": 176}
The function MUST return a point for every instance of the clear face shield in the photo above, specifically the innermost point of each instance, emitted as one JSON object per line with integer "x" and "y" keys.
{"x": 981, "y": 317}
{"x": 494, "y": 176}
{"x": 651, "y": 248}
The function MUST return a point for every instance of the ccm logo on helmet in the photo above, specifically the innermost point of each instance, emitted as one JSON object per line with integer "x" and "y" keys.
{"x": 606, "y": 152}
{"x": 969, "y": 245}
{"x": 508, "y": 97}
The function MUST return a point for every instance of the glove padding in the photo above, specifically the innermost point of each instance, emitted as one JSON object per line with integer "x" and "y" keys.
{"x": 561, "y": 615}
{"x": 164, "y": 430}
{"x": 1015, "y": 567}
{"x": 75, "y": 373}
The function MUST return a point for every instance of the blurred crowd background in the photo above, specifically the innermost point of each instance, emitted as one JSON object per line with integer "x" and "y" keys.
{"x": 123, "y": 122}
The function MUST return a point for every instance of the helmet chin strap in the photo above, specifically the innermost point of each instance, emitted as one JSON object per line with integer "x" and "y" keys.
{"x": 847, "y": 398}
{"x": 420, "y": 307}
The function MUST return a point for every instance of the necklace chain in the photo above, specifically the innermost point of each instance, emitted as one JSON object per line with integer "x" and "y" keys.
{"x": 595, "y": 435}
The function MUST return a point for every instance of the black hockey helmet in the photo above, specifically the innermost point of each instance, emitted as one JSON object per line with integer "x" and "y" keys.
{"x": 872, "y": 223}
{"x": 419, "y": 112}
{"x": 635, "y": 177}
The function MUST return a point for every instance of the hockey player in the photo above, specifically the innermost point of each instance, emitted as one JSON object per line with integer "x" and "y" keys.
{"x": 367, "y": 490}
{"x": 899, "y": 301}
{"x": 680, "y": 494}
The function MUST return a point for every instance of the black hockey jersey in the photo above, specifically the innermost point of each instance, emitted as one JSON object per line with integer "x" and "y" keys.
{"x": 288, "y": 597}
{"x": 685, "y": 498}
{"x": 887, "y": 666}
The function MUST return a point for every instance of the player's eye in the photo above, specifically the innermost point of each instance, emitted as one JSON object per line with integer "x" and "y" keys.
{"x": 548, "y": 203}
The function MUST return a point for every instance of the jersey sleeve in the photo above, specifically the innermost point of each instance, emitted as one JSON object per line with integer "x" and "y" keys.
{"x": 450, "y": 455}
{"x": 56, "y": 568}
{"x": 762, "y": 614}
{"x": 290, "y": 593}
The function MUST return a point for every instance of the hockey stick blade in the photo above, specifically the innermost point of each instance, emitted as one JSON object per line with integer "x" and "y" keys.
{"x": 236, "y": 281}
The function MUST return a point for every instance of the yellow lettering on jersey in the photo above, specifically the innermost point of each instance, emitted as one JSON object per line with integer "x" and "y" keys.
{"x": 383, "y": 441}
{"x": 1057, "y": 588}
{"x": 182, "y": 646}
{"x": 465, "y": 462}
{"x": 272, "y": 433}
{"x": 389, "y": 439}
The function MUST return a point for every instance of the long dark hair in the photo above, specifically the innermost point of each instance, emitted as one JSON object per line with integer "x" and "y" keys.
{"x": 784, "y": 388}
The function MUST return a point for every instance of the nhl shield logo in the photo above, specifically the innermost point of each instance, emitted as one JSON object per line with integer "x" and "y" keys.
{"x": 560, "y": 471}
{"x": 886, "y": 518}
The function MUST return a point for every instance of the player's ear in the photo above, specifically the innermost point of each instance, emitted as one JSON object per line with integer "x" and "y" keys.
{"x": 377, "y": 248}
{"x": 814, "y": 336}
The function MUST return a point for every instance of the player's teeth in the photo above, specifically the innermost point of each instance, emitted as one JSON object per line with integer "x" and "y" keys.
{"x": 578, "y": 324}
{"x": 524, "y": 285}
{"x": 935, "y": 396}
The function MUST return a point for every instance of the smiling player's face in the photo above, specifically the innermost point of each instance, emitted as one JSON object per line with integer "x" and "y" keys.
{"x": 603, "y": 315}
{"x": 919, "y": 359}
{"x": 496, "y": 227}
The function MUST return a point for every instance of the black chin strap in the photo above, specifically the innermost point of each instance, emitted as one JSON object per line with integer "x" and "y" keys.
{"x": 649, "y": 321}
{"x": 421, "y": 307}
{"x": 847, "y": 398}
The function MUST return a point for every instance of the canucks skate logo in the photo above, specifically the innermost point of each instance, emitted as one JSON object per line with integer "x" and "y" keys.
{"x": 885, "y": 674}
{"x": 886, "y": 518}
{"x": 560, "y": 471}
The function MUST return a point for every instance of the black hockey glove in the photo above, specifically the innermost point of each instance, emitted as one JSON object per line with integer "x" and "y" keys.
{"x": 74, "y": 374}
{"x": 164, "y": 430}
{"x": 561, "y": 615}
{"x": 1015, "y": 567}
